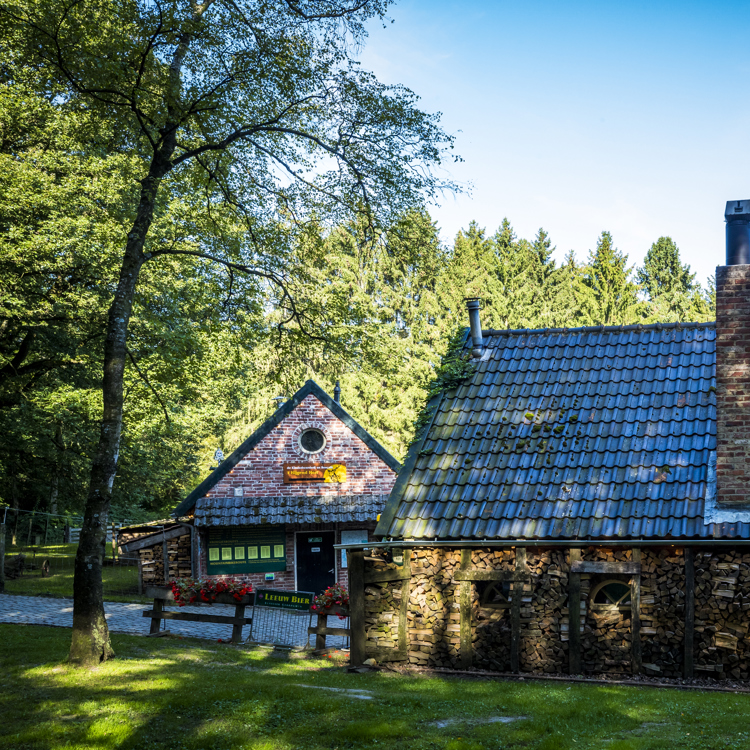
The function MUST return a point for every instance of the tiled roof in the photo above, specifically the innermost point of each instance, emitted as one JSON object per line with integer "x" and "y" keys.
{"x": 570, "y": 433}
{"x": 238, "y": 511}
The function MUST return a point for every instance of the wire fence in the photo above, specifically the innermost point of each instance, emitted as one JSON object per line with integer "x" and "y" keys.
{"x": 40, "y": 551}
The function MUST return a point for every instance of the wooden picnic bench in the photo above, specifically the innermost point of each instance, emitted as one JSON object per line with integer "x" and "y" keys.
{"x": 160, "y": 595}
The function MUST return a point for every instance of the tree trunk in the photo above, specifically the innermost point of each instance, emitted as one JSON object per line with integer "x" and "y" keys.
{"x": 90, "y": 644}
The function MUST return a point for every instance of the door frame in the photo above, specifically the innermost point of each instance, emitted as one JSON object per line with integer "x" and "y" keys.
{"x": 335, "y": 560}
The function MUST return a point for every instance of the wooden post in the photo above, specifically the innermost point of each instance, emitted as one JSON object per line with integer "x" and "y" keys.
{"x": 2, "y": 558}
{"x": 320, "y": 640}
{"x": 515, "y": 612}
{"x": 239, "y": 612}
{"x": 636, "y": 658}
{"x": 140, "y": 576}
{"x": 689, "y": 610}
{"x": 357, "y": 606}
{"x": 156, "y": 621}
{"x": 574, "y": 615}
{"x": 114, "y": 542}
{"x": 403, "y": 612}
{"x": 464, "y": 609}
{"x": 165, "y": 555}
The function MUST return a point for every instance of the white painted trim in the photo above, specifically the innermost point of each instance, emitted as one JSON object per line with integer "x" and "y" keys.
{"x": 711, "y": 511}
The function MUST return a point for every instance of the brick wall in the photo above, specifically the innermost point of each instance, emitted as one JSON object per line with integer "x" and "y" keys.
{"x": 260, "y": 473}
{"x": 733, "y": 384}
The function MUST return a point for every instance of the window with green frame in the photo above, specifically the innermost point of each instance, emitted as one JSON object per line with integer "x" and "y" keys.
{"x": 246, "y": 549}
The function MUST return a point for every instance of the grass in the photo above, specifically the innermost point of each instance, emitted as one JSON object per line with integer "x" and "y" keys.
{"x": 120, "y": 581}
{"x": 197, "y": 695}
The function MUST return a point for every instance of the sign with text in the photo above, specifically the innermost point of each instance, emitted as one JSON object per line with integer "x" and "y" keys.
{"x": 312, "y": 472}
{"x": 246, "y": 549}
{"x": 299, "y": 601}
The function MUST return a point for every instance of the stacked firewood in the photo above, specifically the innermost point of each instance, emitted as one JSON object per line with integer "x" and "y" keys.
{"x": 663, "y": 611}
{"x": 722, "y": 601}
{"x": 490, "y": 622}
{"x": 152, "y": 560}
{"x": 544, "y": 620}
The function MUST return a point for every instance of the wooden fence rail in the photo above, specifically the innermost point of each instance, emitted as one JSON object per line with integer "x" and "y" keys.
{"x": 162, "y": 595}
{"x": 321, "y": 630}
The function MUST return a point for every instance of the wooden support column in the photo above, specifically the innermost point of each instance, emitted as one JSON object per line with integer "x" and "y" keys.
{"x": 165, "y": 555}
{"x": 156, "y": 616}
{"x": 689, "y": 610}
{"x": 2, "y": 557}
{"x": 464, "y": 608}
{"x": 636, "y": 658}
{"x": 515, "y": 612}
{"x": 574, "y": 615}
{"x": 357, "y": 606}
{"x": 239, "y": 613}
{"x": 403, "y": 612}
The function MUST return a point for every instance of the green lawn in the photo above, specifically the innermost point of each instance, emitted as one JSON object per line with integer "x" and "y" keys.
{"x": 120, "y": 581}
{"x": 197, "y": 695}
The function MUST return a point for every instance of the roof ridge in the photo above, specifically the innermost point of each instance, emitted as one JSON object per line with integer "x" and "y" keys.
{"x": 599, "y": 329}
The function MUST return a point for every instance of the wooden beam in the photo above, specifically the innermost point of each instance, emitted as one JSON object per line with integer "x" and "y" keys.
{"x": 153, "y": 539}
{"x": 689, "y": 611}
{"x": 515, "y": 611}
{"x": 357, "y": 653}
{"x": 383, "y": 576}
{"x": 403, "y": 611}
{"x": 636, "y": 658}
{"x": 194, "y": 616}
{"x": 464, "y": 610}
{"x": 587, "y": 566}
{"x": 491, "y": 575}
{"x": 385, "y": 654}
{"x": 574, "y": 614}
{"x": 321, "y": 630}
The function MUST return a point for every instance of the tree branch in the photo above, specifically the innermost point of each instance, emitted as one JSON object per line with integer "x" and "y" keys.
{"x": 148, "y": 383}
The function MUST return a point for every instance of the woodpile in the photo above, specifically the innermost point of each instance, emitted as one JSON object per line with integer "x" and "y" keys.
{"x": 722, "y": 601}
{"x": 152, "y": 560}
{"x": 433, "y": 634}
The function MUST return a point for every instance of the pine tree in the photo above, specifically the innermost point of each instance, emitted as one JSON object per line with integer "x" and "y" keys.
{"x": 673, "y": 295}
{"x": 607, "y": 296}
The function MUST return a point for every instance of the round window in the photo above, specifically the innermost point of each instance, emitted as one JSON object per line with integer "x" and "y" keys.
{"x": 312, "y": 441}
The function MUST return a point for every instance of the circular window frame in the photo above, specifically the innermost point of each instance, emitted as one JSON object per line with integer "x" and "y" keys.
{"x": 304, "y": 450}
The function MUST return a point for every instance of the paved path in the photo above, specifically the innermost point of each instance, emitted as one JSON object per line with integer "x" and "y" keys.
{"x": 270, "y": 625}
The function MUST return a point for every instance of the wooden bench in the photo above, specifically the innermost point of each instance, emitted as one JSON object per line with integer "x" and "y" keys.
{"x": 321, "y": 630}
{"x": 158, "y": 613}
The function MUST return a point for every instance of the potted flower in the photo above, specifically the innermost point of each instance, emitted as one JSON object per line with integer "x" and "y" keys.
{"x": 333, "y": 601}
{"x": 210, "y": 590}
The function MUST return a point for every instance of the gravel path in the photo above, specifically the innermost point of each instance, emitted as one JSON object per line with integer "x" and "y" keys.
{"x": 287, "y": 628}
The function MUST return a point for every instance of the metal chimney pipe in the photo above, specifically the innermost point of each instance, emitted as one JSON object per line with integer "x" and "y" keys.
{"x": 337, "y": 393}
{"x": 473, "y": 305}
{"x": 737, "y": 216}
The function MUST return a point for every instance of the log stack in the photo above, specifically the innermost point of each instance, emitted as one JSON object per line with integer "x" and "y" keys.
{"x": 152, "y": 560}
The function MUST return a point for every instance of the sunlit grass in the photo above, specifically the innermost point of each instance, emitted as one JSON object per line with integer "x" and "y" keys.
{"x": 120, "y": 581}
{"x": 197, "y": 695}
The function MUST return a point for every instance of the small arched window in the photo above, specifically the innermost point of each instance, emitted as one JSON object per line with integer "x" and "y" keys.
{"x": 496, "y": 596}
{"x": 611, "y": 594}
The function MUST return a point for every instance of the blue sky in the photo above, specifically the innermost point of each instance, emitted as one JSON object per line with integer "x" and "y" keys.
{"x": 580, "y": 117}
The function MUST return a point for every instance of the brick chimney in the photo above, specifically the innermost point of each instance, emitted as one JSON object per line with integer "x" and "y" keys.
{"x": 733, "y": 361}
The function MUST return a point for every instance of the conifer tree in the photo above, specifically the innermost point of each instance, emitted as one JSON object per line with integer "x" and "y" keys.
{"x": 607, "y": 296}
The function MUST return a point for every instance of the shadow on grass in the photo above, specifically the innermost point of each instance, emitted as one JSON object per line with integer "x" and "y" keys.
{"x": 190, "y": 695}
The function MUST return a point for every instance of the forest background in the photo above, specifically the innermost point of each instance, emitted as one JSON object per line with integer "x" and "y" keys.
{"x": 209, "y": 357}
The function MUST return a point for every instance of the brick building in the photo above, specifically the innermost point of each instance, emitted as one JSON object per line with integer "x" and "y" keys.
{"x": 308, "y": 478}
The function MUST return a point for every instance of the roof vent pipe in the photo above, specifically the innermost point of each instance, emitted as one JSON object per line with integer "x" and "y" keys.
{"x": 337, "y": 393}
{"x": 737, "y": 216}
{"x": 472, "y": 305}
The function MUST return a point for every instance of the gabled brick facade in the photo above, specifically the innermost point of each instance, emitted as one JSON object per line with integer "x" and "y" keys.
{"x": 260, "y": 472}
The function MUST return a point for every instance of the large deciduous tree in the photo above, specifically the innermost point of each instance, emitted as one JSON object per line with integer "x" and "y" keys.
{"x": 256, "y": 107}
